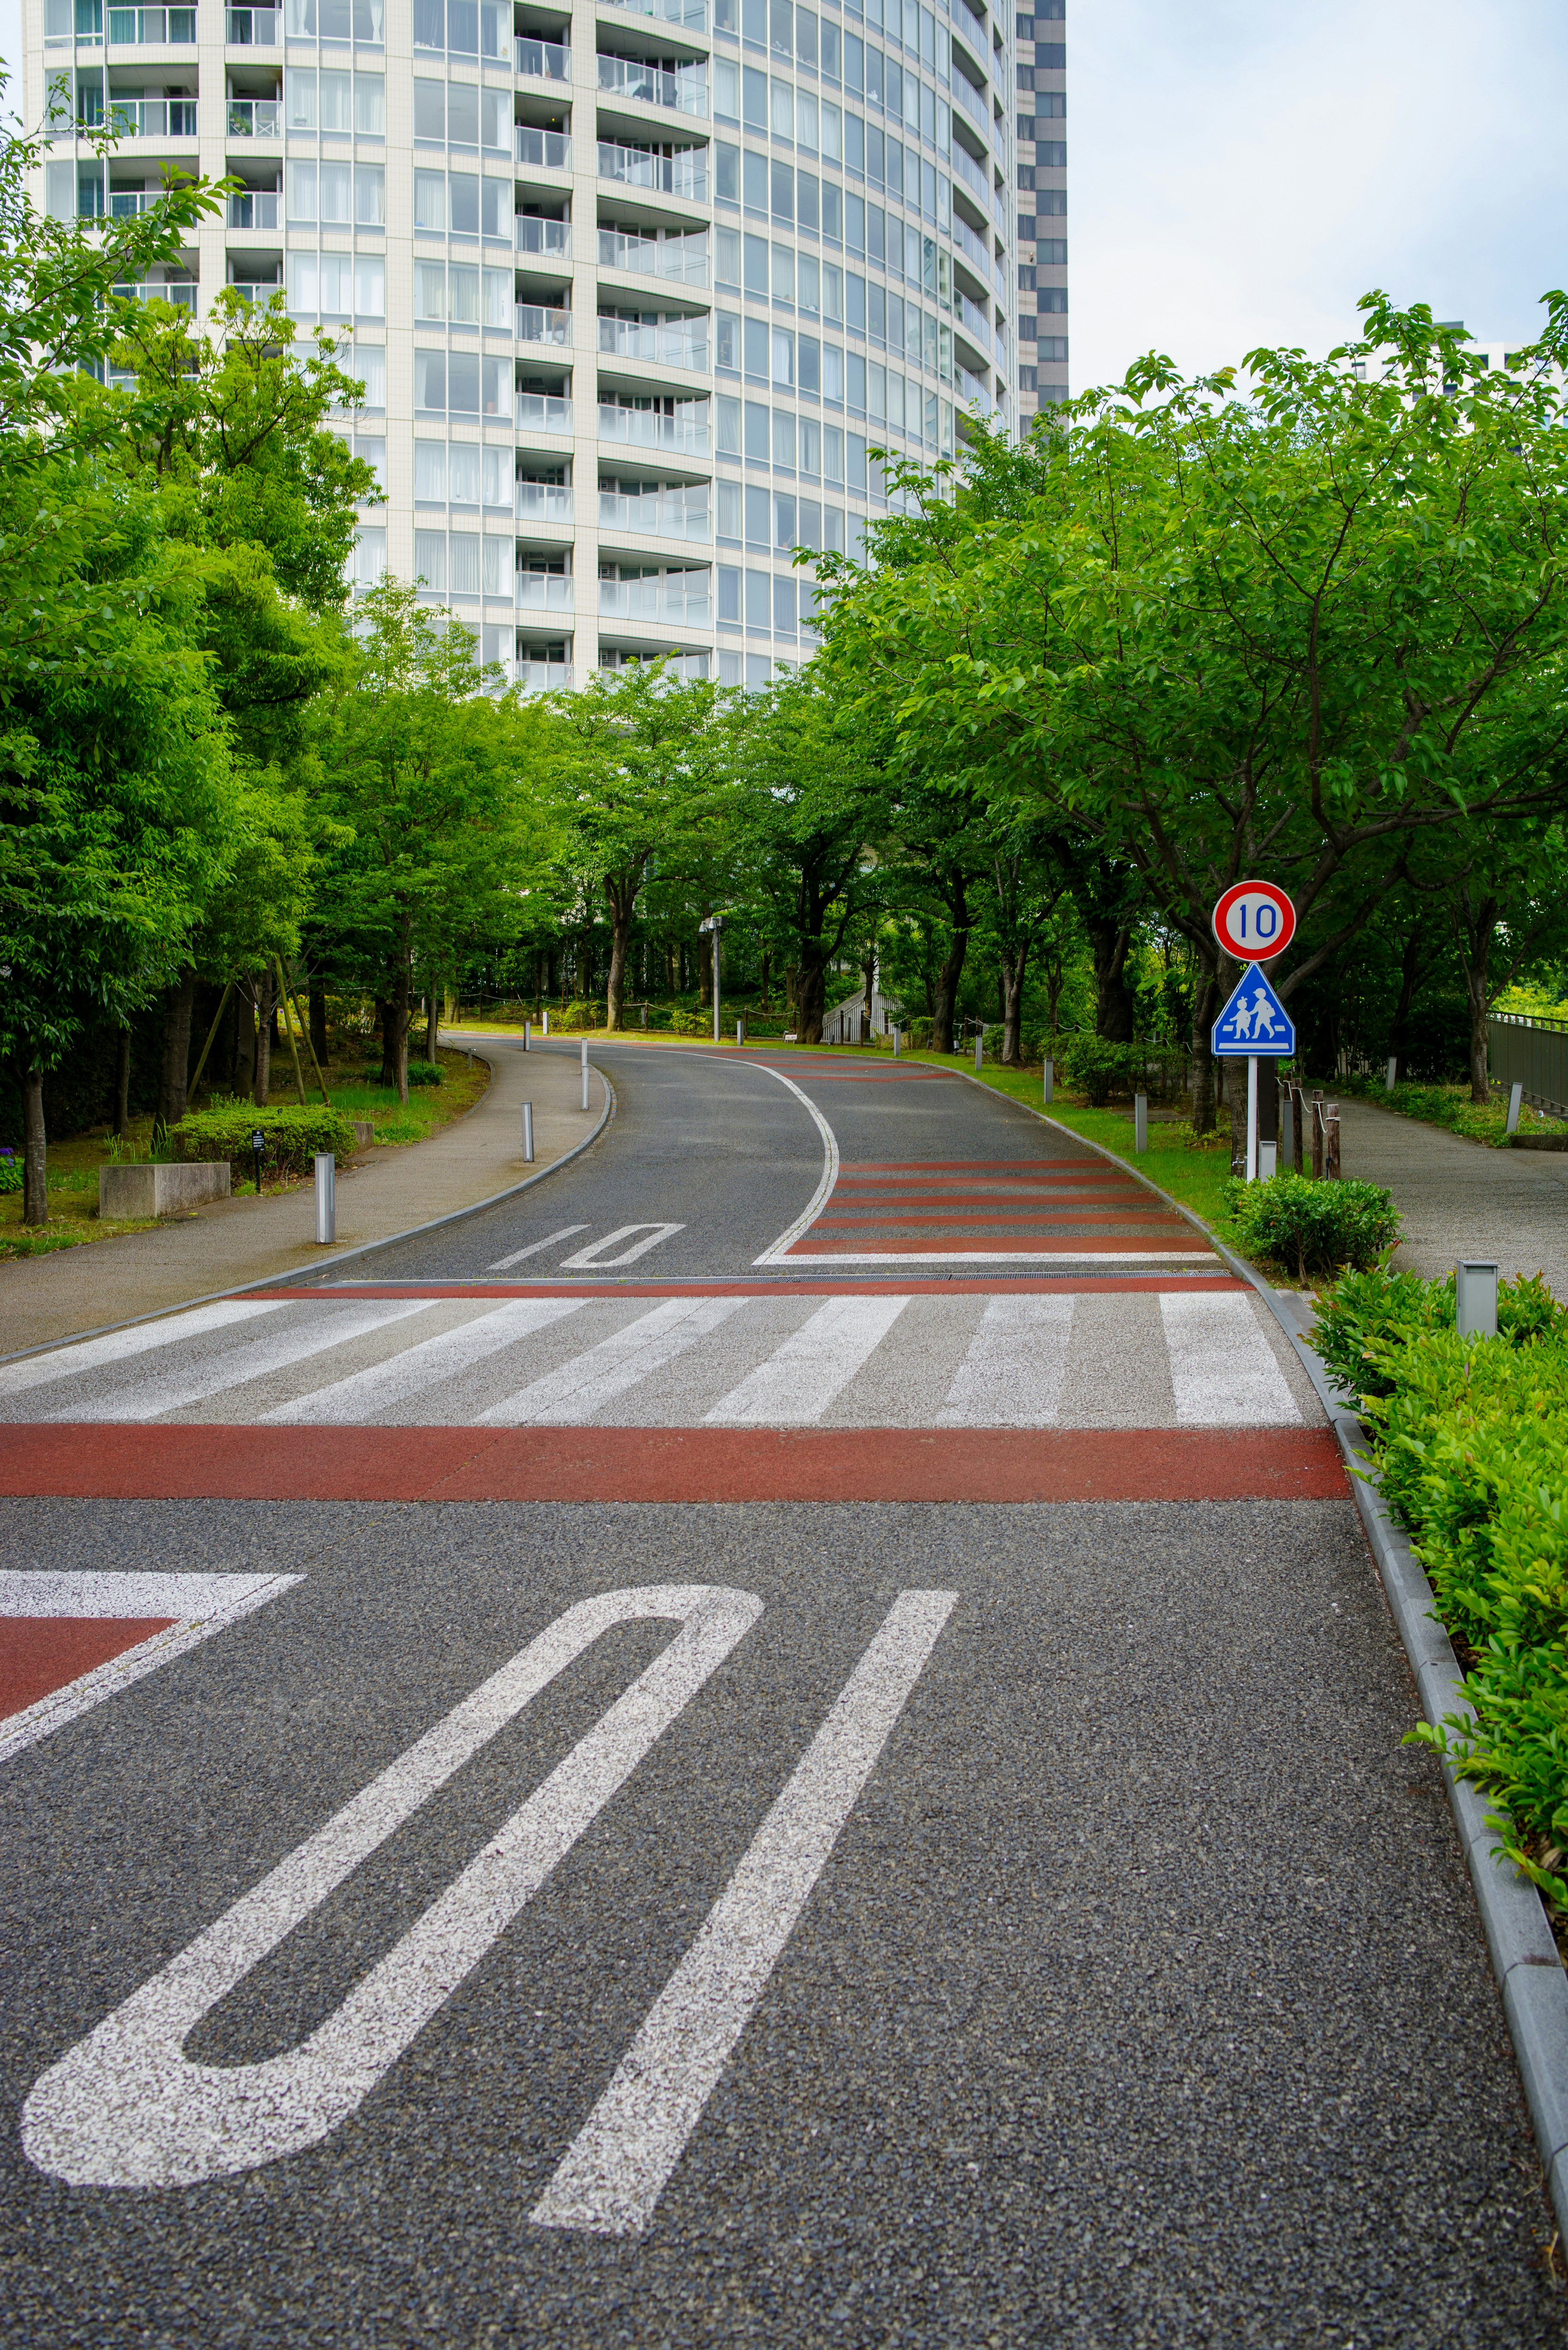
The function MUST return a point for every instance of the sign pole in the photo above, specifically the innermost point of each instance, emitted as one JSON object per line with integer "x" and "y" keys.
{"x": 1251, "y": 1118}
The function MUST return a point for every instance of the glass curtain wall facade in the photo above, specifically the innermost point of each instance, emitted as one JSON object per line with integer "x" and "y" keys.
{"x": 1041, "y": 74}
{"x": 633, "y": 289}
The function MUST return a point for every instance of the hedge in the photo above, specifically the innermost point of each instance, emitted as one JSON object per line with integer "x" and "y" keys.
{"x": 1471, "y": 1436}
{"x": 1315, "y": 1227}
{"x": 294, "y": 1136}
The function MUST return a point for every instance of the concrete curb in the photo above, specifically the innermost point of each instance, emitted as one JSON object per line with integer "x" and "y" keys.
{"x": 1531, "y": 1980}
{"x": 349, "y": 1256}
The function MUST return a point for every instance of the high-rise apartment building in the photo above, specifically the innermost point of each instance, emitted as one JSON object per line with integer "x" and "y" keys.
{"x": 633, "y": 287}
{"x": 1041, "y": 75}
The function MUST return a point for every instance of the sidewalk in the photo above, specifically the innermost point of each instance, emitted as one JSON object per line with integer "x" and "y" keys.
{"x": 1458, "y": 1198}
{"x": 45, "y": 1299}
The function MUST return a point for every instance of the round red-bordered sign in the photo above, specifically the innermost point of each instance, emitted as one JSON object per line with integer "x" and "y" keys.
{"x": 1254, "y": 921}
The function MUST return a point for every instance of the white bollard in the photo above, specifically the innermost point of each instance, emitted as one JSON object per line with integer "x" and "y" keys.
{"x": 1392, "y": 1073}
{"x": 585, "y": 1073}
{"x": 739, "y": 1032}
{"x": 527, "y": 1034}
{"x": 1515, "y": 1103}
{"x": 326, "y": 1199}
{"x": 897, "y": 1041}
{"x": 546, "y": 1023}
{"x": 1050, "y": 1081}
{"x": 528, "y": 1133}
{"x": 980, "y": 1050}
{"x": 1475, "y": 1299}
{"x": 1140, "y": 1121}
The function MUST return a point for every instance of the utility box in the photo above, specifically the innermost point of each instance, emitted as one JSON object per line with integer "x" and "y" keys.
{"x": 128, "y": 1192}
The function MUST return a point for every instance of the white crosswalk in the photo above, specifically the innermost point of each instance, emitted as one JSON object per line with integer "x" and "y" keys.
{"x": 788, "y": 1358}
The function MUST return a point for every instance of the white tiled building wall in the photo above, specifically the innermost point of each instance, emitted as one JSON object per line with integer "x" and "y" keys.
{"x": 632, "y": 287}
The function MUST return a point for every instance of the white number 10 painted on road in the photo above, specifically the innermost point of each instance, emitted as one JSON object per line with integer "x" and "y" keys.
{"x": 126, "y": 2106}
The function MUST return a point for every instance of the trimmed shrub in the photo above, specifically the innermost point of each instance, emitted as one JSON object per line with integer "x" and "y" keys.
{"x": 579, "y": 1016}
{"x": 991, "y": 1040}
{"x": 690, "y": 1023}
{"x": 921, "y": 1036}
{"x": 1095, "y": 1068}
{"x": 1317, "y": 1227}
{"x": 425, "y": 1073}
{"x": 294, "y": 1136}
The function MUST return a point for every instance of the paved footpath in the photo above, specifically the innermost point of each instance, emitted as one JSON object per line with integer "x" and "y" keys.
{"x": 1461, "y": 1199}
{"x": 789, "y": 1738}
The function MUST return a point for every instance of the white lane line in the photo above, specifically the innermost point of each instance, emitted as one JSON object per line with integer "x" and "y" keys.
{"x": 617, "y": 2167}
{"x": 126, "y": 2107}
{"x": 118, "y": 1345}
{"x": 200, "y": 1604}
{"x": 1011, "y": 1375}
{"x": 1222, "y": 1367}
{"x": 535, "y": 1248}
{"x": 176, "y": 1390}
{"x": 380, "y": 1386}
{"x": 593, "y": 1254}
{"x": 814, "y": 1364}
{"x": 567, "y": 1396}
{"x": 818, "y": 1201}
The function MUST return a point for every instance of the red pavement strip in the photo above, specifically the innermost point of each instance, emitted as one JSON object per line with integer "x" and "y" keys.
{"x": 1061, "y": 1284}
{"x": 39, "y": 1654}
{"x": 187, "y": 1462}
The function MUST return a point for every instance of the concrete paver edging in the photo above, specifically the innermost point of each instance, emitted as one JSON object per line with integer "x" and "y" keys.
{"x": 1525, "y": 1960}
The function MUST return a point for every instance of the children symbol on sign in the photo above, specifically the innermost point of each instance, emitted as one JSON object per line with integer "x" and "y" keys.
{"x": 1263, "y": 1017}
{"x": 1242, "y": 1019}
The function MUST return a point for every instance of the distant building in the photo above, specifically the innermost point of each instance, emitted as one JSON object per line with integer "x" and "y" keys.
{"x": 1042, "y": 209}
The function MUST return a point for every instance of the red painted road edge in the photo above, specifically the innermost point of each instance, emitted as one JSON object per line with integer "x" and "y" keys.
{"x": 669, "y": 1464}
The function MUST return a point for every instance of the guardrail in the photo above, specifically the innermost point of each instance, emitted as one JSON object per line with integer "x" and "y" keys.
{"x": 663, "y": 346}
{"x": 683, "y": 174}
{"x": 152, "y": 118}
{"x": 260, "y": 28}
{"x": 691, "y": 16}
{"x": 682, "y": 259}
{"x": 551, "y": 147}
{"x": 659, "y": 516}
{"x": 542, "y": 502}
{"x": 645, "y": 428}
{"x": 1530, "y": 1051}
{"x": 537, "y": 325}
{"x": 255, "y": 117}
{"x": 552, "y": 236}
{"x": 258, "y": 208}
{"x": 545, "y": 60}
{"x": 654, "y": 599}
{"x": 165, "y": 28}
{"x": 543, "y": 412}
{"x": 685, "y": 90}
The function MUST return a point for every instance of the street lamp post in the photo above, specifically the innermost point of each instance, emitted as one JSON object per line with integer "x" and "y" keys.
{"x": 714, "y": 922}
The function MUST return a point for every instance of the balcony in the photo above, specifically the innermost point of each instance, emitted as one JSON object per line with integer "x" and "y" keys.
{"x": 685, "y": 90}
{"x": 180, "y": 291}
{"x": 258, "y": 208}
{"x": 648, "y": 427}
{"x": 543, "y": 677}
{"x": 683, "y": 175}
{"x": 551, "y": 147}
{"x": 538, "y": 412}
{"x": 543, "y": 591}
{"x": 255, "y": 117}
{"x": 974, "y": 321}
{"x": 976, "y": 249}
{"x": 683, "y": 260}
{"x": 253, "y": 28}
{"x": 972, "y": 102}
{"x": 537, "y": 325}
{"x": 152, "y": 118}
{"x": 969, "y": 28}
{"x": 551, "y": 236}
{"x": 660, "y": 515}
{"x": 691, "y": 16}
{"x": 543, "y": 60}
{"x": 653, "y": 601}
{"x": 540, "y": 502}
{"x": 128, "y": 204}
{"x": 160, "y": 28}
{"x": 682, "y": 347}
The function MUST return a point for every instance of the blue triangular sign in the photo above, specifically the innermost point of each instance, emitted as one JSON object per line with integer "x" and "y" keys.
{"x": 1254, "y": 1021}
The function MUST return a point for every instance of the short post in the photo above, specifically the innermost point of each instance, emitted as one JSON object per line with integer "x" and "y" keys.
{"x": 980, "y": 1048}
{"x": 897, "y": 1040}
{"x": 1515, "y": 1102}
{"x": 645, "y": 1011}
{"x": 1392, "y": 1072}
{"x": 585, "y": 1073}
{"x": 739, "y": 1032}
{"x": 1050, "y": 1082}
{"x": 1298, "y": 1128}
{"x": 1331, "y": 1142}
{"x": 546, "y": 1023}
{"x": 528, "y": 1134}
{"x": 1251, "y": 1118}
{"x": 1289, "y": 1156}
{"x": 1475, "y": 1299}
{"x": 527, "y": 1034}
{"x": 258, "y": 1148}
{"x": 1317, "y": 1115}
{"x": 326, "y": 1199}
{"x": 1140, "y": 1121}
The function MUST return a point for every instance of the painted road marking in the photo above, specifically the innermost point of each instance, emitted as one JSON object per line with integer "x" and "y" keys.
{"x": 800, "y": 1378}
{"x": 778, "y": 1251}
{"x": 381, "y": 1387}
{"x": 118, "y": 1345}
{"x": 1011, "y": 1375}
{"x": 126, "y": 2106}
{"x": 621, "y": 1361}
{"x": 535, "y": 1248}
{"x": 618, "y": 2165}
{"x": 593, "y": 1254}
{"x": 176, "y": 1612}
{"x": 1222, "y": 1368}
{"x": 176, "y": 1389}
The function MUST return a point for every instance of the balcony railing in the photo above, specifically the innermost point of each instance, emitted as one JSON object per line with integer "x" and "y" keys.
{"x": 162, "y": 28}
{"x": 254, "y": 290}
{"x": 682, "y": 259}
{"x": 545, "y": 60}
{"x": 551, "y": 147}
{"x": 970, "y": 172}
{"x": 648, "y": 428}
{"x": 542, "y": 502}
{"x": 126, "y": 203}
{"x": 686, "y": 90}
{"x": 972, "y": 103}
{"x": 544, "y": 235}
{"x": 255, "y": 117}
{"x": 691, "y": 16}
{"x": 969, "y": 28}
{"x": 258, "y": 208}
{"x": 976, "y": 325}
{"x": 658, "y": 515}
{"x": 656, "y": 599}
{"x": 537, "y": 325}
{"x": 543, "y": 677}
{"x": 543, "y": 591}
{"x": 682, "y": 347}
{"x": 152, "y": 118}
{"x": 253, "y": 28}
{"x": 684, "y": 173}
{"x": 980, "y": 252}
{"x": 541, "y": 413}
{"x": 180, "y": 291}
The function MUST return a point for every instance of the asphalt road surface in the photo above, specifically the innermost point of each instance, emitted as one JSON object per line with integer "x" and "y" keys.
{"x": 839, "y": 1780}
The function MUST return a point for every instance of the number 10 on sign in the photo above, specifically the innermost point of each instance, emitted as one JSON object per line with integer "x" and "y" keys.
{"x": 1254, "y": 921}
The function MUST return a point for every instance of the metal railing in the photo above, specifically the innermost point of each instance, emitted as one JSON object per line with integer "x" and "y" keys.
{"x": 976, "y": 249}
{"x": 542, "y": 502}
{"x": 682, "y": 347}
{"x": 970, "y": 172}
{"x": 126, "y": 203}
{"x": 535, "y": 323}
{"x": 542, "y": 413}
{"x": 969, "y": 28}
{"x": 691, "y": 15}
{"x": 258, "y": 208}
{"x": 252, "y": 290}
{"x": 543, "y": 677}
{"x": 683, "y": 260}
{"x": 686, "y": 90}
{"x": 973, "y": 320}
{"x": 656, "y": 599}
{"x": 1533, "y": 1051}
{"x": 662, "y": 514}
{"x": 545, "y": 60}
{"x": 180, "y": 291}
{"x": 646, "y": 428}
{"x": 550, "y": 236}
{"x": 684, "y": 173}
{"x": 255, "y": 117}
{"x": 972, "y": 103}
{"x": 164, "y": 28}
{"x": 152, "y": 118}
{"x": 551, "y": 147}
{"x": 259, "y": 28}
{"x": 543, "y": 591}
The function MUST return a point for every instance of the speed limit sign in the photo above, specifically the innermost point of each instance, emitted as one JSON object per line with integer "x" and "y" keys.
{"x": 1254, "y": 921}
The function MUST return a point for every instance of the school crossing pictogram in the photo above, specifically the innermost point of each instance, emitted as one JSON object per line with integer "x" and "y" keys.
{"x": 1254, "y": 1021}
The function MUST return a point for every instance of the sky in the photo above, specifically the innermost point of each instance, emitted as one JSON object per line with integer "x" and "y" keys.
{"x": 1243, "y": 169}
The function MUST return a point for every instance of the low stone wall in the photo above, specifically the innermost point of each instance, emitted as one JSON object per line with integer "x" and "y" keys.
{"x": 131, "y": 1191}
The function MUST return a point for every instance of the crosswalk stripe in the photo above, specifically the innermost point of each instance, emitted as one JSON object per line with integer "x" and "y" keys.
{"x": 380, "y": 1386}
{"x": 120, "y": 1346}
{"x": 178, "y": 1388}
{"x": 623, "y": 1360}
{"x": 815, "y": 1363}
{"x": 1011, "y": 1375}
{"x": 1222, "y": 1368}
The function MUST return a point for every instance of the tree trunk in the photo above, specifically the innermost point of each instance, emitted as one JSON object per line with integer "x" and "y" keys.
{"x": 1013, "y": 1007}
{"x": 950, "y": 970}
{"x": 317, "y": 991}
{"x": 1115, "y": 1007}
{"x": 1475, "y": 983}
{"x": 244, "y": 1064}
{"x": 621, "y": 893}
{"x": 122, "y": 1083}
{"x": 35, "y": 1150}
{"x": 266, "y": 1016}
{"x": 176, "y": 1063}
{"x": 1203, "y": 1010}
{"x": 765, "y": 1002}
{"x": 384, "y": 1022}
{"x": 433, "y": 1023}
{"x": 704, "y": 976}
{"x": 810, "y": 1000}
{"x": 400, "y": 1009}
{"x": 1412, "y": 969}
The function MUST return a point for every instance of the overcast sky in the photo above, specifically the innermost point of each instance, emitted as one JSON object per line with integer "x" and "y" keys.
{"x": 1242, "y": 169}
